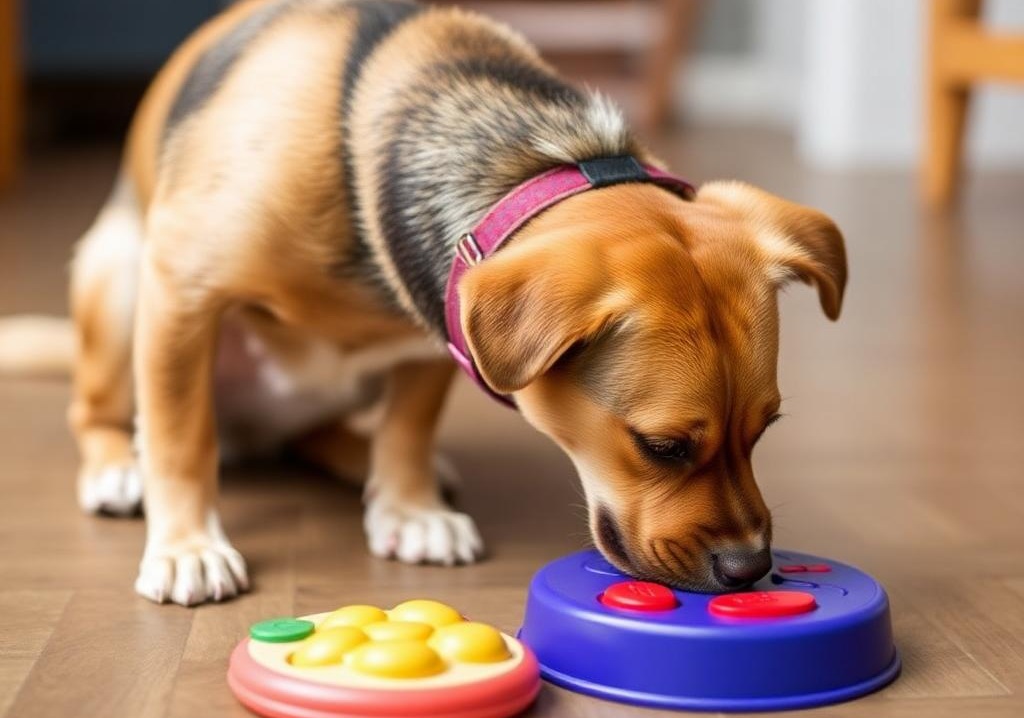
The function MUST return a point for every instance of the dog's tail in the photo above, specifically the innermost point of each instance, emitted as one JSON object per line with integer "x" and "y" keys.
{"x": 36, "y": 346}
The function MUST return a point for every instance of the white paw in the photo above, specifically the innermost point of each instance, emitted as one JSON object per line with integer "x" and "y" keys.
{"x": 414, "y": 534}
{"x": 115, "y": 490}
{"x": 205, "y": 571}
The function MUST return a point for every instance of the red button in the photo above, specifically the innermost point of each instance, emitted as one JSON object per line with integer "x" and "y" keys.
{"x": 762, "y": 604}
{"x": 818, "y": 568}
{"x": 639, "y": 596}
{"x": 793, "y": 568}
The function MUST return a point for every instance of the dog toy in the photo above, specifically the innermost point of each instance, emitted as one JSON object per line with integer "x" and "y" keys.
{"x": 813, "y": 631}
{"x": 417, "y": 660}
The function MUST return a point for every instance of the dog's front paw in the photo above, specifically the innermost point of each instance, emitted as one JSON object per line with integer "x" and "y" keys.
{"x": 113, "y": 490}
{"x": 418, "y": 534}
{"x": 203, "y": 570}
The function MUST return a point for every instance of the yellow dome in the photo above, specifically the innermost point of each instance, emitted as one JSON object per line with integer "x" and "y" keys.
{"x": 355, "y": 615}
{"x": 433, "y": 613}
{"x": 470, "y": 642}
{"x": 327, "y": 647}
{"x": 396, "y": 659}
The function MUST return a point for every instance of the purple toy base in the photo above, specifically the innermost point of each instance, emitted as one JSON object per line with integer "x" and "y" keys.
{"x": 814, "y": 631}
{"x": 780, "y": 703}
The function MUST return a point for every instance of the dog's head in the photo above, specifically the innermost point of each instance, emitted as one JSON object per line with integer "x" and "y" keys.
{"x": 640, "y": 332}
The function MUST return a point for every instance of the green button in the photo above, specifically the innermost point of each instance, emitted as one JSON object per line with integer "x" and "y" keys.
{"x": 281, "y": 630}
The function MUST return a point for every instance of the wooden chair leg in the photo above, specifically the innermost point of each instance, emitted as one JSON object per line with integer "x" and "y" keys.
{"x": 10, "y": 91}
{"x": 948, "y": 100}
{"x": 677, "y": 21}
{"x": 947, "y": 112}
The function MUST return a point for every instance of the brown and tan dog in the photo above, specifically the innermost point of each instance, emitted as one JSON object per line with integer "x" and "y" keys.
{"x": 274, "y": 257}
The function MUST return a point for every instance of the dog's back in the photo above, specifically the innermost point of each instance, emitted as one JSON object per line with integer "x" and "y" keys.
{"x": 393, "y": 125}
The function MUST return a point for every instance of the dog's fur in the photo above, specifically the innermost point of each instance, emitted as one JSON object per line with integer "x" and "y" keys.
{"x": 275, "y": 252}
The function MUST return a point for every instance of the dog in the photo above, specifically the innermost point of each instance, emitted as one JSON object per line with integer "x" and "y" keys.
{"x": 273, "y": 261}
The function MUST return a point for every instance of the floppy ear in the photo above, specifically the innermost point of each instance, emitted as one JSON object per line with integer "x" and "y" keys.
{"x": 521, "y": 310}
{"x": 798, "y": 242}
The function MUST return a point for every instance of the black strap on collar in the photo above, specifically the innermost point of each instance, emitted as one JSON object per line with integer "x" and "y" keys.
{"x": 605, "y": 171}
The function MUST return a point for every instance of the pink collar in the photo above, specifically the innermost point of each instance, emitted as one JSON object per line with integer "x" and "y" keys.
{"x": 522, "y": 204}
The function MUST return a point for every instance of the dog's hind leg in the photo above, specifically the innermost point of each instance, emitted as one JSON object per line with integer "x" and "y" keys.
{"x": 344, "y": 453}
{"x": 336, "y": 449}
{"x": 406, "y": 515}
{"x": 104, "y": 281}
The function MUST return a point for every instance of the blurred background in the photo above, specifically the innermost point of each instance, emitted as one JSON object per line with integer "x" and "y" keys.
{"x": 901, "y": 449}
{"x": 844, "y": 78}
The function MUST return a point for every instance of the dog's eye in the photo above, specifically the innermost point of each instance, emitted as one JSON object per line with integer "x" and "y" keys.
{"x": 662, "y": 448}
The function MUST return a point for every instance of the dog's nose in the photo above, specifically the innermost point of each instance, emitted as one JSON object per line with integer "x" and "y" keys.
{"x": 741, "y": 567}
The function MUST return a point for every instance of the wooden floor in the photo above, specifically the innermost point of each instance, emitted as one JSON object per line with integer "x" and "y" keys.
{"x": 902, "y": 452}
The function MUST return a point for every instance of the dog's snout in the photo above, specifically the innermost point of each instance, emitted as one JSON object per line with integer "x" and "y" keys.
{"x": 741, "y": 567}
{"x": 609, "y": 538}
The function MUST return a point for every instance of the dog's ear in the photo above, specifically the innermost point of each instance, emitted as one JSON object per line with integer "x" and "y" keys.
{"x": 521, "y": 311}
{"x": 797, "y": 242}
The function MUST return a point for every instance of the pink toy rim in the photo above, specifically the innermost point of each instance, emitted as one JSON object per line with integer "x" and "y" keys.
{"x": 278, "y": 695}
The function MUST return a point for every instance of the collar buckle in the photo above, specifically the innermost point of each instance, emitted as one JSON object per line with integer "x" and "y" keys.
{"x": 469, "y": 250}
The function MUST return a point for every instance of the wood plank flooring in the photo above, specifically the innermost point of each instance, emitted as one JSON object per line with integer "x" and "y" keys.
{"x": 901, "y": 452}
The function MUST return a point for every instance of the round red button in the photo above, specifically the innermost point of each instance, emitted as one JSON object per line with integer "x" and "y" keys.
{"x": 639, "y": 596}
{"x": 793, "y": 568}
{"x": 818, "y": 568}
{"x": 762, "y": 604}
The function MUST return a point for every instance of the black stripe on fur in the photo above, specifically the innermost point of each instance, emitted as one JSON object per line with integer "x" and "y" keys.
{"x": 214, "y": 65}
{"x": 375, "y": 20}
{"x": 459, "y": 156}
{"x": 511, "y": 72}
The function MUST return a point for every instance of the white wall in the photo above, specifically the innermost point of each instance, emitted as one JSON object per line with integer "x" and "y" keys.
{"x": 758, "y": 86}
{"x": 846, "y": 76}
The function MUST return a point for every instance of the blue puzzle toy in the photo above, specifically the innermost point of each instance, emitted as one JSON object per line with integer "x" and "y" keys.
{"x": 813, "y": 631}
